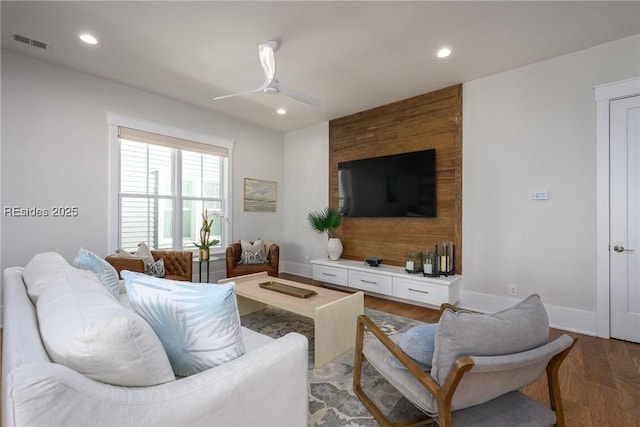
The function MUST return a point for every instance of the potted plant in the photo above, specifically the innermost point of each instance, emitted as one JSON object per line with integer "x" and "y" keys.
{"x": 205, "y": 241}
{"x": 326, "y": 221}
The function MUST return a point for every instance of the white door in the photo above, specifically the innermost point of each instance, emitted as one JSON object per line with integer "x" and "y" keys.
{"x": 625, "y": 218}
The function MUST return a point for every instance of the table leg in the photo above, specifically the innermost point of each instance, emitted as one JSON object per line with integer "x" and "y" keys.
{"x": 335, "y": 327}
{"x": 246, "y": 305}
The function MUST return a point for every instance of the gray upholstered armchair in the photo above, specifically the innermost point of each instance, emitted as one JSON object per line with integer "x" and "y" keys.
{"x": 479, "y": 363}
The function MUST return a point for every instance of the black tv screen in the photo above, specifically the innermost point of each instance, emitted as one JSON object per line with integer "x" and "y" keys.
{"x": 400, "y": 185}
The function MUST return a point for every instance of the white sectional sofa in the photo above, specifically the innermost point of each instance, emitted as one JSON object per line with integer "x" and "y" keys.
{"x": 267, "y": 386}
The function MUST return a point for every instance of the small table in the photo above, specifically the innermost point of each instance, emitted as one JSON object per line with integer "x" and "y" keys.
{"x": 213, "y": 258}
{"x": 334, "y": 313}
{"x": 200, "y": 271}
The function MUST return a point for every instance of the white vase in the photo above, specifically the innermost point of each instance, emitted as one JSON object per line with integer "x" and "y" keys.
{"x": 334, "y": 248}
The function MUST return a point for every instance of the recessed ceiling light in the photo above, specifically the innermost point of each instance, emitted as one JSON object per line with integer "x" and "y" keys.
{"x": 444, "y": 52}
{"x": 281, "y": 111}
{"x": 88, "y": 39}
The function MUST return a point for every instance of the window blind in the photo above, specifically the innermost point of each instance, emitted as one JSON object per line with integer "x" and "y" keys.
{"x": 170, "y": 141}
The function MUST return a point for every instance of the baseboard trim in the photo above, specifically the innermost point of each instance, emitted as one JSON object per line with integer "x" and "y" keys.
{"x": 299, "y": 269}
{"x": 565, "y": 318}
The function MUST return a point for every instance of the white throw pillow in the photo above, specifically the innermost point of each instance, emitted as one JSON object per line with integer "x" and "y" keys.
{"x": 145, "y": 253}
{"x": 44, "y": 268}
{"x": 252, "y": 253}
{"x": 198, "y": 324}
{"x": 87, "y": 260}
{"x": 84, "y": 328}
{"x": 121, "y": 253}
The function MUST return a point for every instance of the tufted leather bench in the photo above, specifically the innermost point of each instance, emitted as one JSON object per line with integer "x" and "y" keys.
{"x": 178, "y": 265}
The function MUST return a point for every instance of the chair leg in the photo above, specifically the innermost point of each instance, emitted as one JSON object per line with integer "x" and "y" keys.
{"x": 419, "y": 420}
{"x": 357, "y": 375}
{"x": 553, "y": 383}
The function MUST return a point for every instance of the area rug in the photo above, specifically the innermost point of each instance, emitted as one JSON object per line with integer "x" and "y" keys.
{"x": 331, "y": 398}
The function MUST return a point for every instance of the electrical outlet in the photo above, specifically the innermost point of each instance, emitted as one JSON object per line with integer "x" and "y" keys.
{"x": 513, "y": 290}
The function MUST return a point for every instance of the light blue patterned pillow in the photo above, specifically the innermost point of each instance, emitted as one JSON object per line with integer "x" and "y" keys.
{"x": 87, "y": 260}
{"x": 419, "y": 344}
{"x": 198, "y": 324}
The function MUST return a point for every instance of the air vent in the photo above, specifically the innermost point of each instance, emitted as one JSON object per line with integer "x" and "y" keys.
{"x": 29, "y": 41}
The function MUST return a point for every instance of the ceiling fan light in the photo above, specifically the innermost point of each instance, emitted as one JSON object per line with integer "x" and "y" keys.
{"x": 444, "y": 52}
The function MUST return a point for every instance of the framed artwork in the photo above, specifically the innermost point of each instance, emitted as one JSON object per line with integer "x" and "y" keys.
{"x": 260, "y": 195}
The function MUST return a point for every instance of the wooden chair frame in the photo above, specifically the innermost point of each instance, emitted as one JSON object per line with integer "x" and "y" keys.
{"x": 443, "y": 394}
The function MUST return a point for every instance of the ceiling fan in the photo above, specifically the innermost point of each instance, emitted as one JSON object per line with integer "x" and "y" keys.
{"x": 271, "y": 85}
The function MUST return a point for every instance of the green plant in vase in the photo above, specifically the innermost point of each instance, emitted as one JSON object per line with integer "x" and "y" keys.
{"x": 326, "y": 221}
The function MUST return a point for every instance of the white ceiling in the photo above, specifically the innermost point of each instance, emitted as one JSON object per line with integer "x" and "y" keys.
{"x": 356, "y": 55}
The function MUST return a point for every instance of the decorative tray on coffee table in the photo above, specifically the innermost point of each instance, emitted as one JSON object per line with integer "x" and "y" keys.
{"x": 288, "y": 289}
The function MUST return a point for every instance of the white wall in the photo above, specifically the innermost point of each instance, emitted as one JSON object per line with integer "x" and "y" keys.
{"x": 306, "y": 162}
{"x": 55, "y": 152}
{"x": 526, "y": 130}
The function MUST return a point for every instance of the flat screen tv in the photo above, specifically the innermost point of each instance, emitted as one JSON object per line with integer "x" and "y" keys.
{"x": 400, "y": 185}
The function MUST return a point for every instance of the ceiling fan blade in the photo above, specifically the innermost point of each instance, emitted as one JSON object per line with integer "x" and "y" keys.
{"x": 260, "y": 89}
{"x": 266, "y": 52}
{"x": 268, "y": 61}
{"x": 300, "y": 96}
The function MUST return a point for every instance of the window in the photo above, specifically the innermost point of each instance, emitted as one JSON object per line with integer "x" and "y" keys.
{"x": 161, "y": 184}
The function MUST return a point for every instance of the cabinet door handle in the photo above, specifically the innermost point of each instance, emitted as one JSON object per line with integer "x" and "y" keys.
{"x": 419, "y": 290}
{"x": 329, "y": 274}
{"x": 371, "y": 282}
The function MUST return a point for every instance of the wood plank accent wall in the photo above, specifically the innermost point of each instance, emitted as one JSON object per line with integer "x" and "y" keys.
{"x": 432, "y": 120}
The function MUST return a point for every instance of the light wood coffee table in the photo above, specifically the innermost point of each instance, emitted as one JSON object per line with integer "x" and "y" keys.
{"x": 334, "y": 313}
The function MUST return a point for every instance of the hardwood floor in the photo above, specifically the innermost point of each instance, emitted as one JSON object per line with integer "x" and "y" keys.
{"x": 600, "y": 379}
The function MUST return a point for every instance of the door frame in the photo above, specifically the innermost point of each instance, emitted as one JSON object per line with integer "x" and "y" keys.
{"x": 603, "y": 95}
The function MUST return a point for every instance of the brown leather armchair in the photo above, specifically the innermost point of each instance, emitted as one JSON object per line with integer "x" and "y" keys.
{"x": 178, "y": 265}
{"x": 236, "y": 268}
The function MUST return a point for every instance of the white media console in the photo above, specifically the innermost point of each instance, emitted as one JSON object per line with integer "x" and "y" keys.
{"x": 388, "y": 281}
